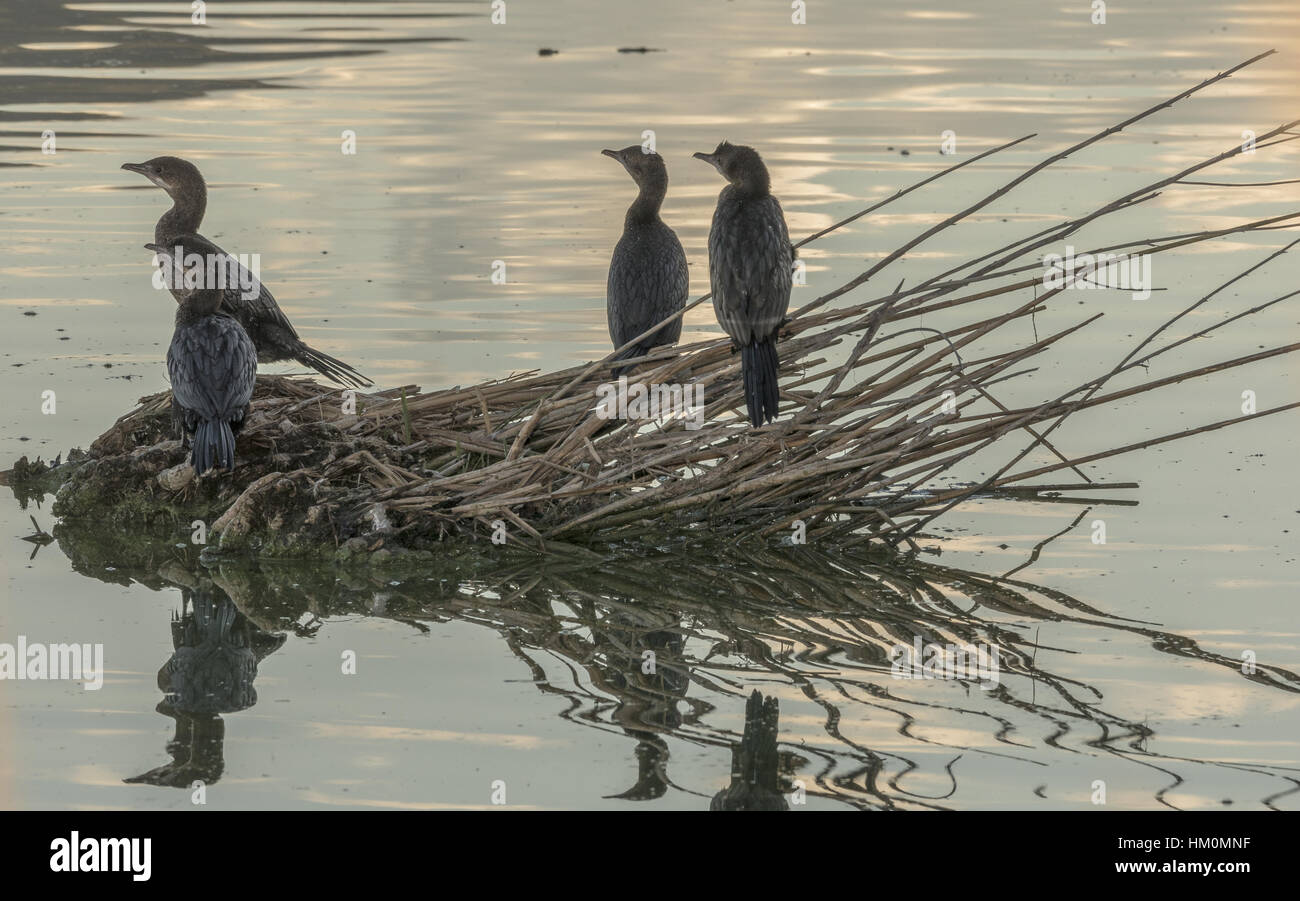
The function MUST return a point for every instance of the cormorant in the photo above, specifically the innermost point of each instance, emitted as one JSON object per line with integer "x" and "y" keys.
{"x": 750, "y": 271}
{"x": 648, "y": 279}
{"x": 211, "y": 361}
{"x": 261, "y": 317}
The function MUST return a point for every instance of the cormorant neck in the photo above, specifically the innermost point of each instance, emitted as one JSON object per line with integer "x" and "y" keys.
{"x": 754, "y": 183}
{"x": 645, "y": 209}
{"x": 199, "y": 304}
{"x": 186, "y": 214}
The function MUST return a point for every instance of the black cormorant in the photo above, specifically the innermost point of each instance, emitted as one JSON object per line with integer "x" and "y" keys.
{"x": 261, "y": 317}
{"x": 648, "y": 279}
{"x": 750, "y": 271}
{"x": 211, "y": 361}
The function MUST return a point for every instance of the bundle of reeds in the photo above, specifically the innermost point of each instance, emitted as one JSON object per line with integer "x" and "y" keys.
{"x": 870, "y": 422}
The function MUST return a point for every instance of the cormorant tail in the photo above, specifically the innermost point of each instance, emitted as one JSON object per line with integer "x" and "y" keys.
{"x": 758, "y": 753}
{"x": 212, "y": 439}
{"x": 755, "y": 762}
{"x": 223, "y": 622}
{"x": 759, "y": 364}
{"x": 333, "y": 369}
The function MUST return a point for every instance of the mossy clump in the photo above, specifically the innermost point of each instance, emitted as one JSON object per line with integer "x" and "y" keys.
{"x": 32, "y": 480}
{"x": 308, "y": 471}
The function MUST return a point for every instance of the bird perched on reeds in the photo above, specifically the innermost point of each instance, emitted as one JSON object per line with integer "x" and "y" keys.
{"x": 259, "y": 314}
{"x": 750, "y": 271}
{"x": 648, "y": 280}
{"x": 212, "y": 362}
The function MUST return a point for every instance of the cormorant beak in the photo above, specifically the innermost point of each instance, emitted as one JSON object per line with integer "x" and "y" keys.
{"x": 712, "y": 160}
{"x": 613, "y": 154}
{"x": 143, "y": 169}
{"x": 161, "y": 255}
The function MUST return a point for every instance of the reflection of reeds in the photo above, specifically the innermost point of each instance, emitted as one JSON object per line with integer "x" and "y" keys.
{"x": 805, "y": 625}
{"x": 860, "y": 438}
{"x": 825, "y": 624}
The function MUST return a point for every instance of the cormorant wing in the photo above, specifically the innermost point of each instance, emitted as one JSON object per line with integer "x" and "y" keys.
{"x": 750, "y": 266}
{"x": 261, "y": 309}
{"x": 648, "y": 287}
{"x": 212, "y": 366}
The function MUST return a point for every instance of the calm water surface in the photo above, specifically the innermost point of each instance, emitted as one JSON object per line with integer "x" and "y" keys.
{"x": 473, "y": 148}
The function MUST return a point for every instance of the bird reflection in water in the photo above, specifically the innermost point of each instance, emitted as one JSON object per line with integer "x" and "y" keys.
{"x": 755, "y": 762}
{"x": 820, "y": 625}
{"x": 644, "y": 672}
{"x": 210, "y": 672}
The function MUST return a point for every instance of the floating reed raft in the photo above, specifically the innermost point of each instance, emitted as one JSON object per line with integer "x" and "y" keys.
{"x": 876, "y": 413}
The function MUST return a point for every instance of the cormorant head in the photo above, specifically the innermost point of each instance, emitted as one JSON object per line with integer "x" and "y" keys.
{"x": 645, "y": 166}
{"x": 740, "y": 165}
{"x": 171, "y": 173}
